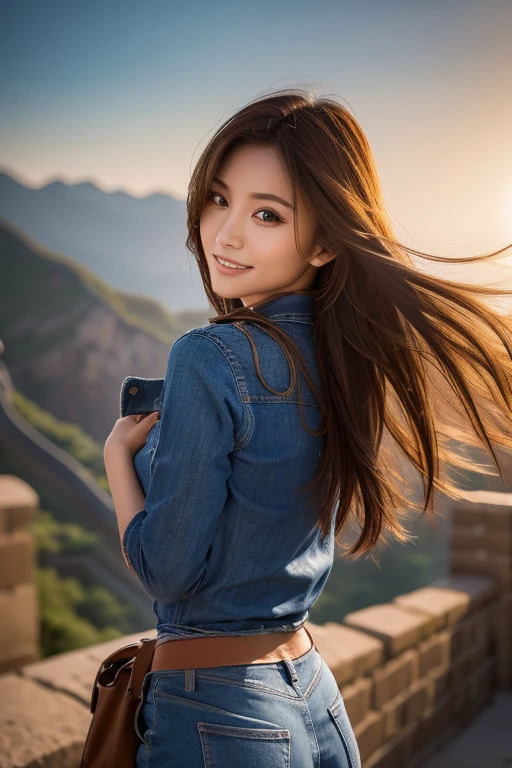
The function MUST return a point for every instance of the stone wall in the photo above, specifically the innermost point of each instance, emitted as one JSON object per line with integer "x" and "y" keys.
{"x": 19, "y": 614}
{"x": 412, "y": 672}
{"x": 428, "y": 664}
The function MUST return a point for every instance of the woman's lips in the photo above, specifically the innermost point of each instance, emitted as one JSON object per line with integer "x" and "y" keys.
{"x": 229, "y": 270}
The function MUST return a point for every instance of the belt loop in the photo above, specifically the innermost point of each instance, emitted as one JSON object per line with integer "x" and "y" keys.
{"x": 190, "y": 679}
{"x": 292, "y": 673}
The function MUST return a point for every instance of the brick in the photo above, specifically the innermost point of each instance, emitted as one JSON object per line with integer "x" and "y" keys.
{"x": 459, "y": 703}
{"x": 462, "y": 637}
{"x": 475, "y": 694}
{"x": 17, "y": 559}
{"x": 20, "y": 616}
{"x": 480, "y": 589}
{"x": 444, "y": 606}
{"x": 419, "y": 697}
{"x": 393, "y": 714}
{"x": 486, "y": 623}
{"x": 459, "y": 672}
{"x": 348, "y": 653}
{"x": 500, "y": 612}
{"x": 479, "y": 684}
{"x": 466, "y": 664}
{"x": 503, "y": 672}
{"x": 441, "y": 681}
{"x": 407, "y": 707}
{"x": 434, "y": 652}
{"x": 493, "y": 507}
{"x": 398, "y": 628}
{"x": 357, "y": 699}
{"x": 479, "y": 656}
{"x": 482, "y": 562}
{"x": 501, "y": 629}
{"x": 394, "y": 677}
{"x": 18, "y": 503}
{"x": 470, "y": 537}
{"x": 482, "y": 629}
{"x": 435, "y": 720}
{"x": 369, "y": 734}
{"x": 395, "y": 753}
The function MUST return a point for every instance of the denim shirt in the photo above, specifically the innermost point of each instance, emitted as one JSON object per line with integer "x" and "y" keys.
{"x": 227, "y": 544}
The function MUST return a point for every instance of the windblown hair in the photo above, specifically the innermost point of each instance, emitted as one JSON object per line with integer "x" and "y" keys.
{"x": 412, "y": 367}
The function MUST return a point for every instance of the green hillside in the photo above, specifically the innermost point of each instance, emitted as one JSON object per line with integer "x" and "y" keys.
{"x": 39, "y": 286}
{"x": 70, "y": 437}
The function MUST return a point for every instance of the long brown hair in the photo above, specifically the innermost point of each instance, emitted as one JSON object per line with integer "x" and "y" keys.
{"x": 402, "y": 356}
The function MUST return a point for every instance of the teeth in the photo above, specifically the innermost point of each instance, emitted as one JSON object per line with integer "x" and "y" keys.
{"x": 227, "y": 264}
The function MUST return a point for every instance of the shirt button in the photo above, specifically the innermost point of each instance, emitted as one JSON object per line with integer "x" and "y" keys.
{"x": 133, "y": 390}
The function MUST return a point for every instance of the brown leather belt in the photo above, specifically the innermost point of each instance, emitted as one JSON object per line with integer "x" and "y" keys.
{"x": 193, "y": 653}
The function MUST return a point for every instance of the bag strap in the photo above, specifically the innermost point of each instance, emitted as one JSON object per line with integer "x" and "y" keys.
{"x": 141, "y": 666}
{"x": 129, "y": 652}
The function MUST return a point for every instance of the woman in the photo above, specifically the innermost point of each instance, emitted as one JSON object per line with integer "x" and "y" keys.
{"x": 235, "y": 484}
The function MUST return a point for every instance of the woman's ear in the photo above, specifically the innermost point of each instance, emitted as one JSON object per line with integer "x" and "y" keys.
{"x": 321, "y": 256}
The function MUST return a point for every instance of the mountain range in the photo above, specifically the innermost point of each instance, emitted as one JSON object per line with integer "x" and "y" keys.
{"x": 70, "y": 339}
{"x": 134, "y": 244}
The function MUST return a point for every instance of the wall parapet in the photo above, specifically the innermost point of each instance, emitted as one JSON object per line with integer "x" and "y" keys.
{"x": 19, "y": 612}
{"x": 412, "y": 672}
{"x": 435, "y": 666}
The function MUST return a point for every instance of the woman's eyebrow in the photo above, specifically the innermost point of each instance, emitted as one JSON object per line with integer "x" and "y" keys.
{"x": 258, "y": 195}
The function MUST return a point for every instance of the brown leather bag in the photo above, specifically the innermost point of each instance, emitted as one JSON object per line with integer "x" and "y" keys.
{"x": 117, "y": 691}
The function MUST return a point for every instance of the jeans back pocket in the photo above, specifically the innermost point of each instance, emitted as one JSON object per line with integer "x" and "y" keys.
{"x": 225, "y": 745}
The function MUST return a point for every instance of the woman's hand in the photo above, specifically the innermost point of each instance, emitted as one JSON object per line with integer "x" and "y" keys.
{"x": 130, "y": 433}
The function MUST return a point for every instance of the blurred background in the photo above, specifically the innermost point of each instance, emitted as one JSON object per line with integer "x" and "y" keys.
{"x": 105, "y": 109}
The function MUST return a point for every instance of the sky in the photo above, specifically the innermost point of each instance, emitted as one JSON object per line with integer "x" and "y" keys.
{"x": 127, "y": 94}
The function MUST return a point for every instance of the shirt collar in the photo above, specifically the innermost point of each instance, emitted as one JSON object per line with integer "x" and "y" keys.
{"x": 301, "y": 304}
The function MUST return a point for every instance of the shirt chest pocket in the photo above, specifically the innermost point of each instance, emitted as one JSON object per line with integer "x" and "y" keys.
{"x": 140, "y": 395}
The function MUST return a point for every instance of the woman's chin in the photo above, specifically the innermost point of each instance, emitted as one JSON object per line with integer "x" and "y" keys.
{"x": 223, "y": 294}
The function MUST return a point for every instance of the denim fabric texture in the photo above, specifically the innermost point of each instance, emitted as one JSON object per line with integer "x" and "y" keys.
{"x": 226, "y": 543}
{"x": 286, "y": 714}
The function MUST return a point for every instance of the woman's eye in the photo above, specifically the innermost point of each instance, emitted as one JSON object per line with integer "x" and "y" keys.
{"x": 276, "y": 217}
{"x": 211, "y": 195}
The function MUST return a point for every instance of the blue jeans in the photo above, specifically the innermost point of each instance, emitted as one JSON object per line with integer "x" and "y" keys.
{"x": 286, "y": 714}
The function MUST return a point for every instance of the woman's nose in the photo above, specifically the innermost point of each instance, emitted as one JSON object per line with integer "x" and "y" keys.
{"x": 229, "y": 234}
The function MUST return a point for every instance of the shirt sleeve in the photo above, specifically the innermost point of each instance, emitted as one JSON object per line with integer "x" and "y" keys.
{"x": 166, "y": 544}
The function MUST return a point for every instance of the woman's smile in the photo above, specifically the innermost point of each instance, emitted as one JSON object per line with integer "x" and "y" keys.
{"x": 226, "y": 270}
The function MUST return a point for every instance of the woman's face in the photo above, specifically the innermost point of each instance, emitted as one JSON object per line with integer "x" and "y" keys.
{"x": 256, "y": 232}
